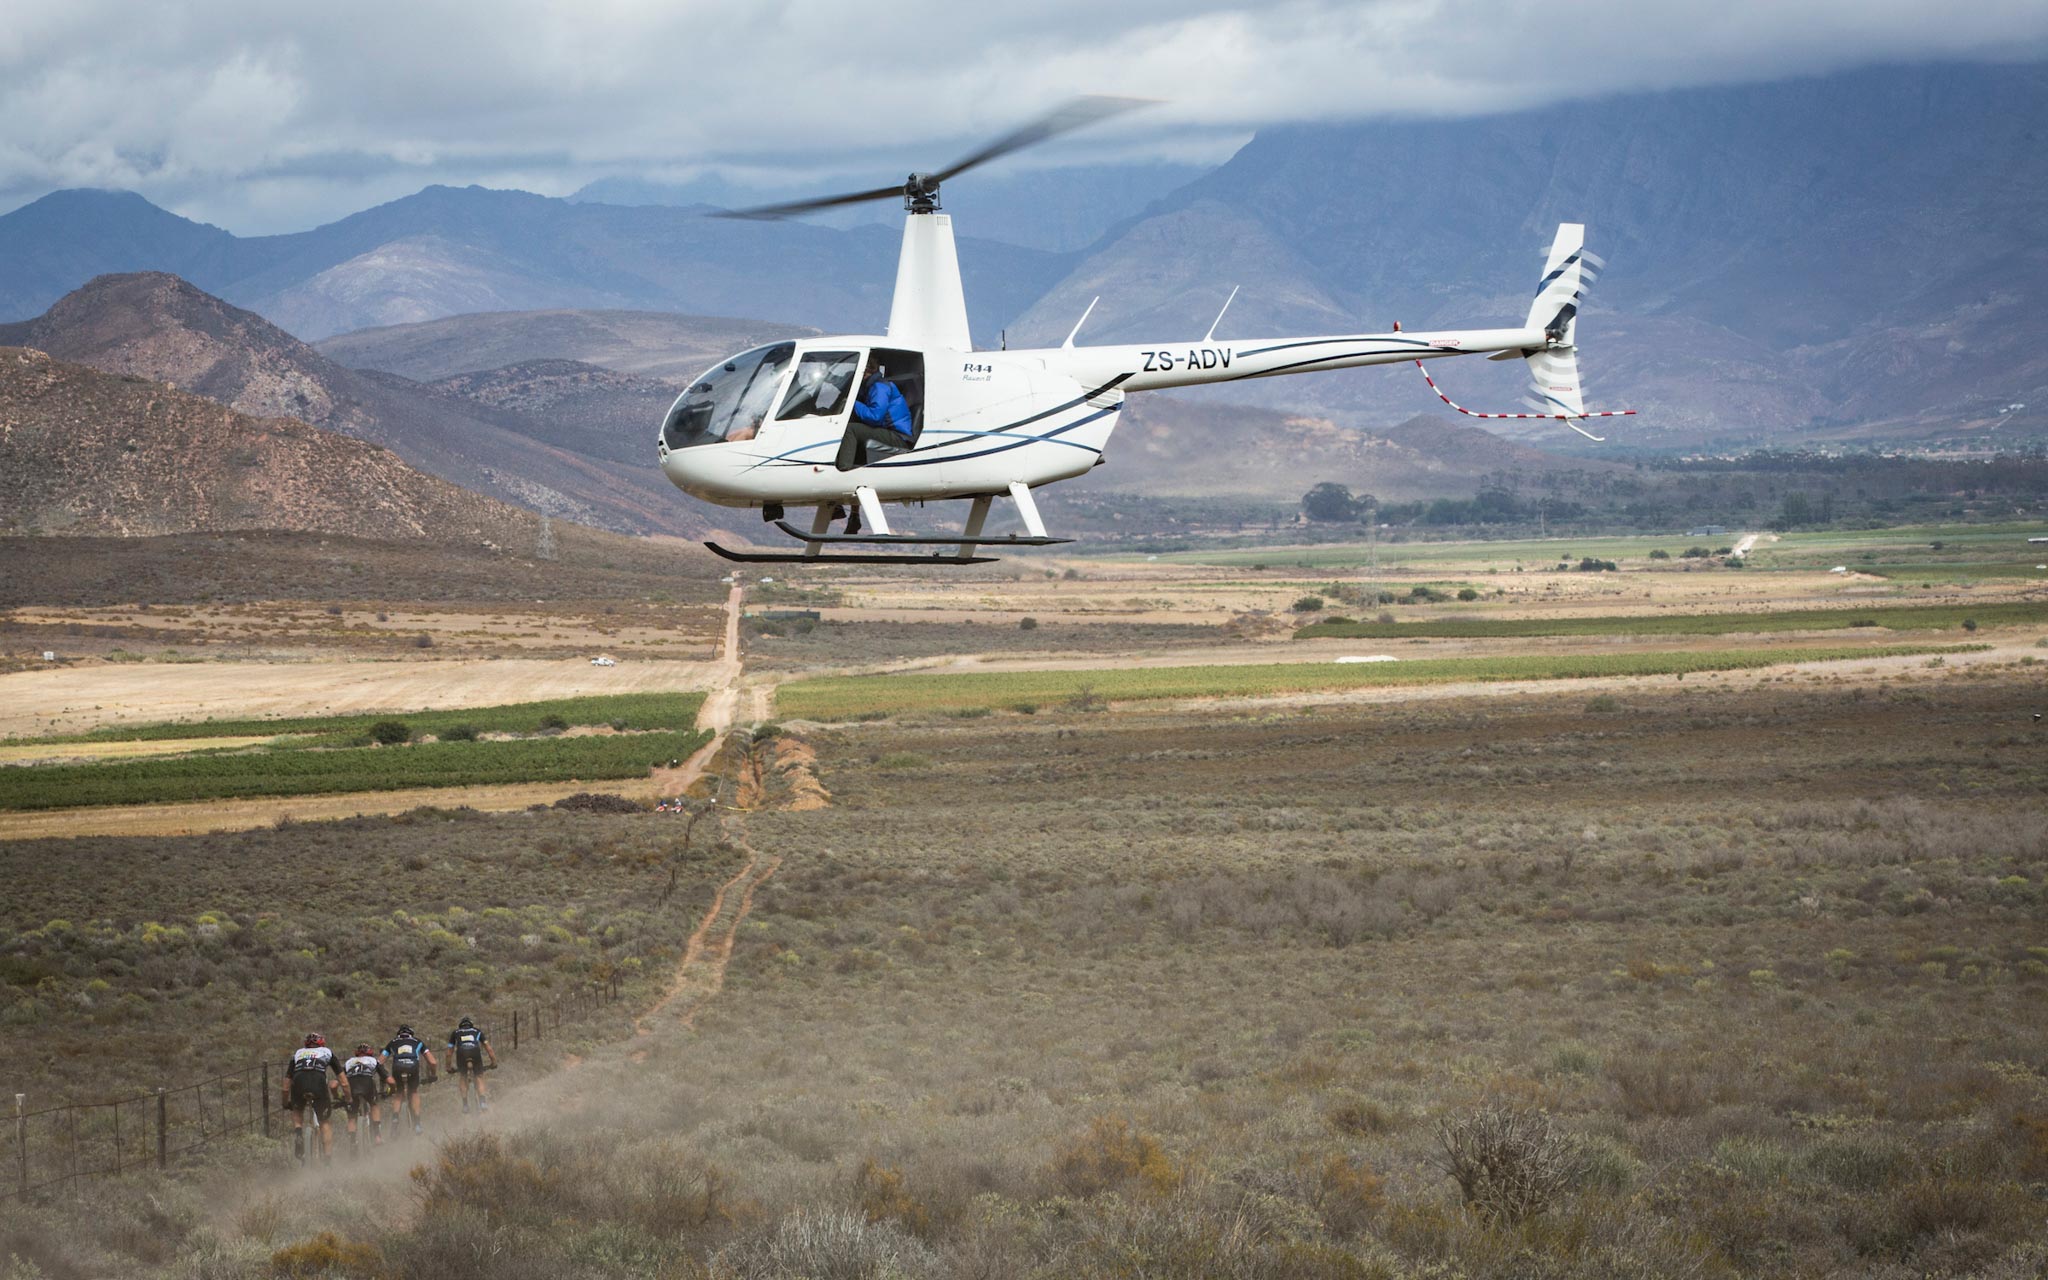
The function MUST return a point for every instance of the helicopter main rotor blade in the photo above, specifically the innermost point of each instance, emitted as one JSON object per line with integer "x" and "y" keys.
{"x": 1075, "y": 114}
{"x": 793, "y": 207}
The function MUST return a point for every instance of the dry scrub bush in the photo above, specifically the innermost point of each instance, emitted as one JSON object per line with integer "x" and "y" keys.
{"x": 1510, "y": 1165}
{"x": 1180, "y": 1238}
{"x": 829, "y": 1244}
{"x": 326, "y": 1254}
{"x": 1350, "y": 1196}
{"x": 1657, "y": 1085}
{"x": 883, "y": 1198}
{"x": 1113, "y": 1156}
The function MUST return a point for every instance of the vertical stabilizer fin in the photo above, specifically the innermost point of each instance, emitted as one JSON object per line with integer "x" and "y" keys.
{"x": 1554, "y": 386}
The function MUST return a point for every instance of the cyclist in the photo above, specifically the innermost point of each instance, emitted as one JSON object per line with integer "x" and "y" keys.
{"x": 367, "y": 1077}
{"x": 404, "y": 1055}
{"x": 470, "y": 1045}
{"x": 307, "y": 1070}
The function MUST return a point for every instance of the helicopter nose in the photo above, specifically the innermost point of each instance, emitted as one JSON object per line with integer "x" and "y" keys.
{"x": 676, "y": 466}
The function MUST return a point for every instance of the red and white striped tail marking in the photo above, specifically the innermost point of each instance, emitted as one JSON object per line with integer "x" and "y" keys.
{"x": 1570, "y": 420}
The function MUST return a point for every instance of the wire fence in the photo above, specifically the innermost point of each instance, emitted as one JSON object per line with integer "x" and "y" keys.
{"x": 50, "y": 1149}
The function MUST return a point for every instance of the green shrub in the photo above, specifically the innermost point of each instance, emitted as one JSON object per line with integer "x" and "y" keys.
{"x": 458, "y": 733}
{"x": 1307, "y": 604}
{"x": 391, "y": 732}
{"x": 1467, "y": 593}
{"x": 1027, "y": 624}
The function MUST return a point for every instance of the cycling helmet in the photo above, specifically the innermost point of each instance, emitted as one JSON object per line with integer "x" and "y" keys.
{"x": 465, "y": 1024}
{"x": 315, "y": 1040}
{"x": 363, "y": 1050}
{"x": 404, "y": 1031}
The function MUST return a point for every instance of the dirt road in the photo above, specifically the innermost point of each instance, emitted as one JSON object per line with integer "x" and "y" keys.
{"x": 719, "y": 707}
{"x": 74, "y": 699}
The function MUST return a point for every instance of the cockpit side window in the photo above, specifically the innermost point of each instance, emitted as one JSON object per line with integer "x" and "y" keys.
{"x": 730, "y": 400}
{"x": 819, "y": 390}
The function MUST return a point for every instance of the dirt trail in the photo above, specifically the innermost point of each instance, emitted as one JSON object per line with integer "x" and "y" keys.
{"x": 700, "y": 975}
{"x": 720, "y": 704}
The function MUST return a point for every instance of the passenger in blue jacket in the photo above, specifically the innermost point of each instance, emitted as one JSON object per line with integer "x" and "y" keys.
{"x": 880, "y": 416}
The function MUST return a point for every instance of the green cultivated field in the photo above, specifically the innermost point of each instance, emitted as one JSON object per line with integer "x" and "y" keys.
{"x": 1973, "y": 550}
{"x": 673, "y": 711}
{"x": 224, "y": 774}
{"x": 1892, "y": 618}
{"x": 856, "y": 697}
{"x": 1397, "y": 555}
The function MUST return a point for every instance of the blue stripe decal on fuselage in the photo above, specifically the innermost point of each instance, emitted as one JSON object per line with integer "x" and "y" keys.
{"x": 1320, "y": 342}
{"x": 789, "y": 459}
{"x": 1047, "y": 438}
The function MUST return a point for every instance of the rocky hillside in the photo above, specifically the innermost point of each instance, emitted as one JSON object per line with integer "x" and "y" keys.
{"x": 88, "y": 452}
{"x": 159, "y": 327}
{"x": 595, "y": 411}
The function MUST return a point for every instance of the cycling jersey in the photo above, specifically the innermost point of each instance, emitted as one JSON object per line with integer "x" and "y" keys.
{"x": 405, "y": 1055}
{"x": 319, "y": 1060}
{"x": 468, "y": 1043}
{"x": 364, "y": 1072}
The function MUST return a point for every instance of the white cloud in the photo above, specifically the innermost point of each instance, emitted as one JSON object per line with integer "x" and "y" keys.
{"x": 266, "y": 117}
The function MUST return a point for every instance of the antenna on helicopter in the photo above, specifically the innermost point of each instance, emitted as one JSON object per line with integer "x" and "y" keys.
{"x": 1219, "y": 315}
{"x": 1076, "y": 332}
{"x": 920, "y": 191}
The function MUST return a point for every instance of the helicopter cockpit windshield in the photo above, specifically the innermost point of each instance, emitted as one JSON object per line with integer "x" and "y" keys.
{"x": 730, "y": 400}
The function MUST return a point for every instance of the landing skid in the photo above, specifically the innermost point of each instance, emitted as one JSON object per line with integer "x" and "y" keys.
{"x": 816, "y": 538}
{"x": 798, "y": 557}
{"x": 920, "y": 540}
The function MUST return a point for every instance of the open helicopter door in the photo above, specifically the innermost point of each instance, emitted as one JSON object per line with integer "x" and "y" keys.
{"x": 906, "y": 370}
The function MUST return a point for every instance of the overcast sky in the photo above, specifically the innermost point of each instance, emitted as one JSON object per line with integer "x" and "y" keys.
{"x": 261, "y": 116}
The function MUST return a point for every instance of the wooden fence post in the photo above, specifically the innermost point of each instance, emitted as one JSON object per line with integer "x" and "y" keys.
{"x": 162, "y": 1129}
{"x": 21, "y": 1136}
{"x": 515, "y": 1031}
{"x": 266, "y": 1097}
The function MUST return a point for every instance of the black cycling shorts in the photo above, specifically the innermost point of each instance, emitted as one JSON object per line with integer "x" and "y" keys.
{"x": 363, "y": 1092}
{"x": 469, "y": 1062}
{"x": 307, "y": 1087}
{"x": 405, "y": 1083}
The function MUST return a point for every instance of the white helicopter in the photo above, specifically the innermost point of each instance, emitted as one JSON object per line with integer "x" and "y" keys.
{"x": 765, "y": 428}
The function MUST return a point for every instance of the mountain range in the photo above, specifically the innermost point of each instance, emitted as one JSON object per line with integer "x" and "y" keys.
{"x": 1850, "y": 258}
